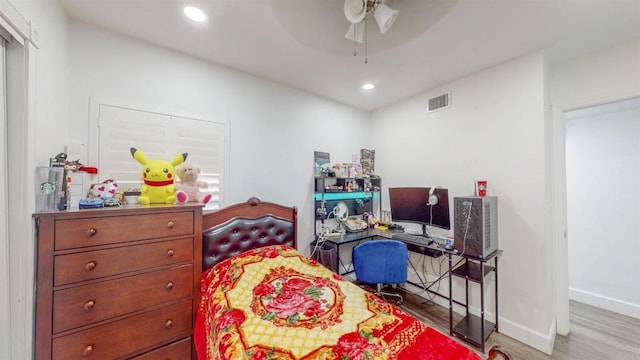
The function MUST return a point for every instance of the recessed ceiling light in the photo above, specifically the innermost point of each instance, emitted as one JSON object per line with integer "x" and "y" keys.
{"x": 368, "y": 86}
{"x": 195, "y": 14}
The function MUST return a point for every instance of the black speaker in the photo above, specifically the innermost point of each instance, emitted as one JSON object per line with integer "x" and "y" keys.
{"x": 475, "y": 229}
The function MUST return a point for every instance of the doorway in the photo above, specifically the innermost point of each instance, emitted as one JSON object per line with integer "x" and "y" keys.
{"x": 603, "y": 205}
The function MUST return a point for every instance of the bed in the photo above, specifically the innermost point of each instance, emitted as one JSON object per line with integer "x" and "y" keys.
{"x": 262, "y": 299}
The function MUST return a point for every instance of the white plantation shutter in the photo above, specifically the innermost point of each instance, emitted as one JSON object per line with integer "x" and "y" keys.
{"x": 159, "y": 136}
{"x": 204, "y": 141}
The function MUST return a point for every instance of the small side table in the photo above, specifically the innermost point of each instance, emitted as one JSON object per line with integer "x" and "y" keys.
{"x": 473, "y": 329}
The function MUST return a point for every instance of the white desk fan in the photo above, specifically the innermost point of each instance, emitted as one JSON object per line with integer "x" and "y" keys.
{"x": 341, "y": 212}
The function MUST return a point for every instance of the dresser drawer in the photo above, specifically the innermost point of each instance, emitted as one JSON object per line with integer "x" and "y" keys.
{"x": 86, "y": 304}
{"x": 179, "y": 350}
{"x": 122, "y": 337}
{"x": 70, "y": 268}
{"x": 74, "y": 233}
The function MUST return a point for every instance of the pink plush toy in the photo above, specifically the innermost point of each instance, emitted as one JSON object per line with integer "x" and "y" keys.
{"x": 104, "y": 190}
{"x": 188, "y": 187}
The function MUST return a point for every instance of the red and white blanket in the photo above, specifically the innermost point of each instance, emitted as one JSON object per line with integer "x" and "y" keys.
{"x": 275, "y": 303}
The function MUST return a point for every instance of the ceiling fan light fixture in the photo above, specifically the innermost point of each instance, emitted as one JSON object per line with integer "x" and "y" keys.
{"x": 355, "y": 10}
{"x": 356, "y": 32}
{"x": 385, "y": 16}
{"x": 194, "y": 13}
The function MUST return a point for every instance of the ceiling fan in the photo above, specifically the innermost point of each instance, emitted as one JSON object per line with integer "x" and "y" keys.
{"x": 357, "y": 11}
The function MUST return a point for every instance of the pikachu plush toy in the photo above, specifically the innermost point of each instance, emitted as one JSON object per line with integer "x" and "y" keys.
{"x": 158, "y": 176}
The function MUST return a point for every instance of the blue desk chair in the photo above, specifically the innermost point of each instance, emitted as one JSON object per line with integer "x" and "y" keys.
{"x": 381, "y": 262}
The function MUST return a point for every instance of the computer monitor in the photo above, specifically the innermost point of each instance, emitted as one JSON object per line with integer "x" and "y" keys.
{"x": 411, "y": 204}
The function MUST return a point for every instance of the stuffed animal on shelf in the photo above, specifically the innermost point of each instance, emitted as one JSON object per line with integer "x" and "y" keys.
{"x": 188, "y": 187}
{"x": 158, "y": 177}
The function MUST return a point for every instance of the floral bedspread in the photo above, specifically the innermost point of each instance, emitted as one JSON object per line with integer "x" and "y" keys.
{"x": 274, "y": 303}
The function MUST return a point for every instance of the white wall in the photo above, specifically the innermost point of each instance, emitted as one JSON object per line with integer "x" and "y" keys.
{"x": 494, "y": 130}
{"x": 603, "y": 205}
{"x": 52, "y": 61}
{"x": 33, "y": 139}
{"x": 601, "y": 77}
{"x": 273, "y": 129}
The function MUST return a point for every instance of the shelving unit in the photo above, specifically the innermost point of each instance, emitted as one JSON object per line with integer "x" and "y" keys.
{"x": 359, "y": 194}
{"x": 472, "y": 328}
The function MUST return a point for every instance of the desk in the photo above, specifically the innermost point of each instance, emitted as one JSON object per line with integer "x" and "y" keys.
{"x": 369, "y": 234}
{"x": 469, "y": 268}
{"x": 431, "y": 250}
{"x": 336, "y": 241}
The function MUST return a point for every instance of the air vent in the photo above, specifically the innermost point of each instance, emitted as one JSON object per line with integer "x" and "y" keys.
{"x": 438, "y": 103}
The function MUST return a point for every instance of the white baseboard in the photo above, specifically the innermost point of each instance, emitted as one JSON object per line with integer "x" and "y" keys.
{"x": 604, "y": 302}
{"x": 537, "y": 340}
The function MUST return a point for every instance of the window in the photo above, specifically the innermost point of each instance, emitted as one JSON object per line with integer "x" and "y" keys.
{"x": 160, "y": 135}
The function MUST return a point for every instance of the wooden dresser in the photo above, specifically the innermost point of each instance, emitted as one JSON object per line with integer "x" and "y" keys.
{"x": 117, "y": 283}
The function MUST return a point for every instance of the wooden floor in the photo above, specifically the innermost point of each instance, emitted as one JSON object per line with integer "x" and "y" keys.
{"x": 595, "y": 334}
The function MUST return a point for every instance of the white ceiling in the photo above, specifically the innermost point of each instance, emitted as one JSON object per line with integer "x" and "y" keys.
{"x": 301, "y": 43}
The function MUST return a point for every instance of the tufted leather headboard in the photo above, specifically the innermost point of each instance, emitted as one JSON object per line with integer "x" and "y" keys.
{"x": 241, "y": 227}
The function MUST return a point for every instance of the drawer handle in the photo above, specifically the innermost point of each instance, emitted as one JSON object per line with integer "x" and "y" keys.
{"x": 90, "y": 265}
{"x": 90, "y": 232}
{"x": 88, "y": 350}
{"x": 168, "y": 324}
{"x": 169, "y": 285}
{"x": 170, "y": 225}
{"x": 89, "y": 305}
{"x": 170, "y": 252}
